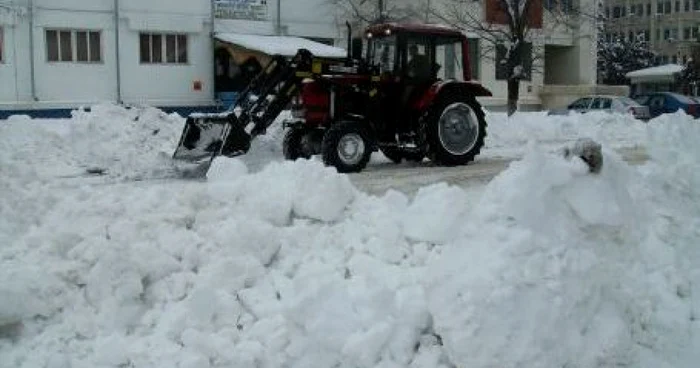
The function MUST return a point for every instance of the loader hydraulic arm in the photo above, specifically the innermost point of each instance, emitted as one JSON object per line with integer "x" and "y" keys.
{"x": 206, "y": 136}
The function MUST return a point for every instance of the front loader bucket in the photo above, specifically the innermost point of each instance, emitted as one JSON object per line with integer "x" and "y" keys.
{"x": 206, "y": 136}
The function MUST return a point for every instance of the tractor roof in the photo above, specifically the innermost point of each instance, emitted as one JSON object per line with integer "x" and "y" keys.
{"x": 430, "y": 29}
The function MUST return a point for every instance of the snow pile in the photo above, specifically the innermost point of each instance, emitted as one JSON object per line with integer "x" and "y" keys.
{"x": 292, "y": 266}
{"x": 562, "y": 268}
{"x": 124, "y": 142}
{"x": 508, "y": 136}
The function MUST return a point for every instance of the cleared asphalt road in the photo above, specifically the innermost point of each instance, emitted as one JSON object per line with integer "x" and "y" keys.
{"x": 409, "y": 177}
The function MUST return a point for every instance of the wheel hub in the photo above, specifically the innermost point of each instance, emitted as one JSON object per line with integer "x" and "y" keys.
{"x": 351, "y": 148}
{"x": 458, "y": 129}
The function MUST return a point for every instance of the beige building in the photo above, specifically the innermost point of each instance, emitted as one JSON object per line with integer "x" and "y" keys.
{"x": 670, "y": 26}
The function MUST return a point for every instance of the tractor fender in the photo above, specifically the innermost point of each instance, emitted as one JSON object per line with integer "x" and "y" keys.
{"x": 472, "y": 89}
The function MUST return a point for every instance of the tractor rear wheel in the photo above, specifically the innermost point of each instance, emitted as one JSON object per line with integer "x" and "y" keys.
{"x": 454, "y": 130}
{"x": 291, "y": 145}
{"x": 347, "y": 146}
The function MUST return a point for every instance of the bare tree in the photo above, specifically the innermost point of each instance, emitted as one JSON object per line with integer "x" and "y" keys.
{"x": 364, "y": 12}
{"x": 509, "y": 29}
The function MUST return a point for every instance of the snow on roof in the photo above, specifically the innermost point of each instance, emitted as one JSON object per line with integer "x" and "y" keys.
{"x": 280, "y": 45}
{"x": 656, "y": 73}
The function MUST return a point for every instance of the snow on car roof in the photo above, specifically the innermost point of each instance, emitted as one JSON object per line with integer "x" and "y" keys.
{"x": 280, "y": 45}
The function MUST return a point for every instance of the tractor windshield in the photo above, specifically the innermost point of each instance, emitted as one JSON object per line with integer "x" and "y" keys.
{"x": 383, "y": 53}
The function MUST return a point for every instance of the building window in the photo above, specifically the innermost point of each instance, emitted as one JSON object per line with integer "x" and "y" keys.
{"x": 81, "y": 46}
{"x": 640, "y": 10}
{"x": 695, "y": 33}
{"x": 667, "y": 34}
{"x": 647, "y": 35}
{"x": 687, "y": 5}
{"x": 658, "y": 34}
{"x": 667, "y": 7}
{"x": 607, "y": 12}
{"x": 623, "y": 9}
{"x": 678, "y": 6}
{"x": 157, "y": 48}
{"x": 648, "y": 9}
{"x": 674, "y": 59}
{"x": 696, "y": 5}
{"x": 659, "y": 8}
{"x": 686, "y": 33}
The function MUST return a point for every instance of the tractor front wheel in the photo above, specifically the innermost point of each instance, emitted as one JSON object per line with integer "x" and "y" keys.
{"x": 454, "y": 130}
{"x": 347, "y": 146}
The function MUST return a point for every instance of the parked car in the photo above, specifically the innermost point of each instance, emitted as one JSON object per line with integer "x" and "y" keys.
{"x": 668, "y": 102}
{"x": 611, "y": 104}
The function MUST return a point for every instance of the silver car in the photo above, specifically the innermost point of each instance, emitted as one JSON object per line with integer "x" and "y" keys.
{"x": 611, "y": 104}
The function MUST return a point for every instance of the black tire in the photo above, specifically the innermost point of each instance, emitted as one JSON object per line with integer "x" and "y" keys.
{"x": 454, "y": 153}
{"x": 353, "y": 132}
{"x": 291, "y": 145}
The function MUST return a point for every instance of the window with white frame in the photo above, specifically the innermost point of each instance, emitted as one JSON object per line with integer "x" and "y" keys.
{"x": 66, "y": 45}
{"x": 163, "y": 48}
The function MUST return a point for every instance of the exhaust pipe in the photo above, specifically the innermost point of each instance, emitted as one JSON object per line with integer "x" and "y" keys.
{"x": 347, "y": 24}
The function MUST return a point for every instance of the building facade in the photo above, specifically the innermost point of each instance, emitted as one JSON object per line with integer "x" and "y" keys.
{"x": 670, "y": 26}
{"x": 62, "y": 54}
{"x": 59, "y": 54}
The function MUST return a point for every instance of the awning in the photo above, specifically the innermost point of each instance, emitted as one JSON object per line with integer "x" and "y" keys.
{"x": 661, "y": 73}
{"x": 280, "y": 45}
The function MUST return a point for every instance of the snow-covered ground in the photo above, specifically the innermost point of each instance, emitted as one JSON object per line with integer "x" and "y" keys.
{"x": 280, "y": 264}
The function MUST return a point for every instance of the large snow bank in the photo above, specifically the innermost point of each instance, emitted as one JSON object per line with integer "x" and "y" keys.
{"x": 292, "y": 266}
{"x": 508, "y": 136}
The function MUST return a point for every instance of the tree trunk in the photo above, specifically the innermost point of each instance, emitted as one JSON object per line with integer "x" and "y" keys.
{"x": 513, "y": 93}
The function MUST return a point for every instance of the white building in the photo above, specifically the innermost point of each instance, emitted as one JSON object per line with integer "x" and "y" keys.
{"x": 61, "y": 54}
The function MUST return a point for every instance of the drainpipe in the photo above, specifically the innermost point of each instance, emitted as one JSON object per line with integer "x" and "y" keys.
{"x": 32, "y": 73}
{"x": 279, "y": 17}
{"x": 117, "y": 51}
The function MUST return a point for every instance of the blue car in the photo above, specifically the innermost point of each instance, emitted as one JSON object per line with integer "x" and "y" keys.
{"x": 668, "y": 102}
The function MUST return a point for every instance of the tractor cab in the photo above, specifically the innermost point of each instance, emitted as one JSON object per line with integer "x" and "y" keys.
{"x": 417, "y": 53}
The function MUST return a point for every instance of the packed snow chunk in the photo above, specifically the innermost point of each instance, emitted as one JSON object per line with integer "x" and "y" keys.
{"x": 125, "y": 142}
{"x": 435, "y": 214}
{"x": 549, "y": 272}
{"x": 322, "y": 194}
{"x": 544, "y": 190}
{"x": 226, "y": 169}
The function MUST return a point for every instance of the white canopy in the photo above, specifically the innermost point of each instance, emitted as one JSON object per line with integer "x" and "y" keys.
{"x": 661, "y": 73}
{"x": 280, "y": 45}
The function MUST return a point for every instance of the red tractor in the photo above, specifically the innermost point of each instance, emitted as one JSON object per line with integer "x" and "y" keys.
{"x": 407, "y": 92}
